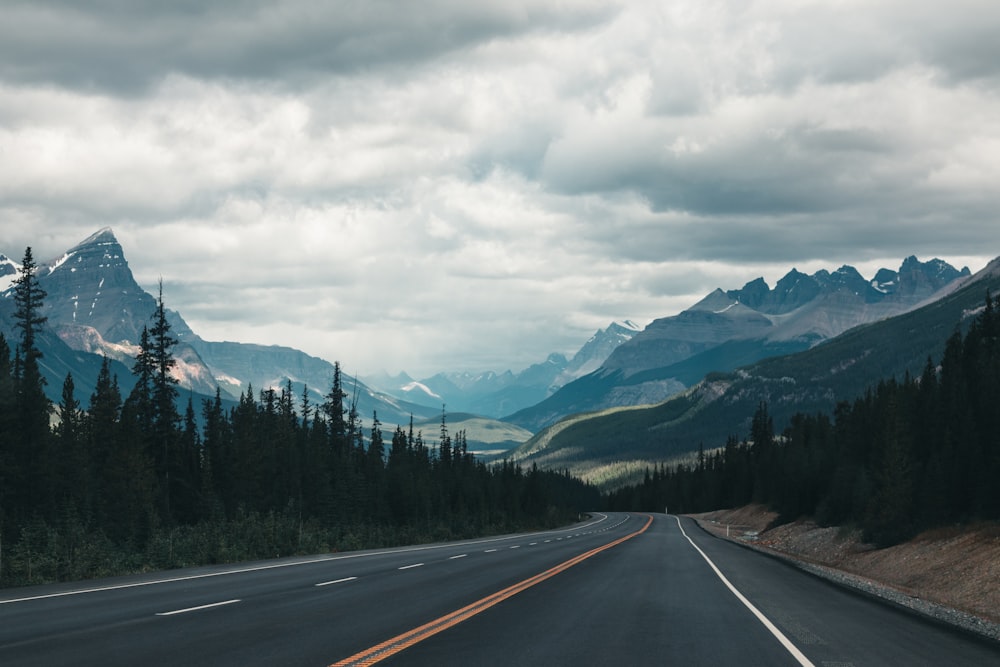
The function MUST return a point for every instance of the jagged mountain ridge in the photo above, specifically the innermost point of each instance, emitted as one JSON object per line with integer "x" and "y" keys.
{"x": 721, "y": 404}
{"x": 799, "y": 307}
{"x": 730, "y": 328}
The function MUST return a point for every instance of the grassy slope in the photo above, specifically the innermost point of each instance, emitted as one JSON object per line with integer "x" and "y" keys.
{"x": 482, "y": 433}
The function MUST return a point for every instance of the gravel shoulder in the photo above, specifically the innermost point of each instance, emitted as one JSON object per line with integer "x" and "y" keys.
{"x": 950, "y": 574}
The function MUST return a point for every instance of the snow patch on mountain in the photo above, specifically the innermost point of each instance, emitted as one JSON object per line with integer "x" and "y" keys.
{"x": 8, "y": 273}
{"x": 59, "y": 262}
{"x": 422, "y": 388}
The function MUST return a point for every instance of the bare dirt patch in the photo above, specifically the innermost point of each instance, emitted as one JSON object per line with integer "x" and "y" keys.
{"x": 958, "y": 567}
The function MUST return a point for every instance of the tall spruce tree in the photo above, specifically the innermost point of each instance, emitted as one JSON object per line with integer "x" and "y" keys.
{"x": 29, "y": 446}
{"x": 172, "y": 472}
{"x": 71, "y": 464}
{"x": 102, "y": 436}
{"x": 8, "y": 418}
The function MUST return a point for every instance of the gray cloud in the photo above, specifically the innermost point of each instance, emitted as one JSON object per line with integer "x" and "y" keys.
{"x": 130, "y": 46}
{"x": 451, "y": 185}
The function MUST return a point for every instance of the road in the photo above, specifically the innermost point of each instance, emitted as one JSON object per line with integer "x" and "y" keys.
{"x": 619, "y": 589}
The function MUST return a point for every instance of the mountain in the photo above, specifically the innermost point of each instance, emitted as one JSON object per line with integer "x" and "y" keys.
{"x": 488, "y": 394}
{"x": 94, "y": 305}
{"x": 8, "y": 273}
{"x": 239, "y": 366}
{"x": 496, "y": 394}
{"x": 722, "y": 403}
{"x": 96, "y": 309}
{"x": 596, "y": 351}
{"x": 727, "y": 329}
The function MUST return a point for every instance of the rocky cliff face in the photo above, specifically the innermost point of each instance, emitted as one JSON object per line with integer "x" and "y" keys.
{"x": 713, "y": 320}
{"x": 596, "y": 351}
{"x": 95, "y": 305}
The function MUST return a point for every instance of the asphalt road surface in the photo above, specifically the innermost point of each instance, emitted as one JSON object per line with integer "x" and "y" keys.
{"x": 618, "y": 589}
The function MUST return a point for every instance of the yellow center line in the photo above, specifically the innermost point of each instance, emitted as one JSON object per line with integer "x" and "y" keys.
{"x": 403, "y": 641}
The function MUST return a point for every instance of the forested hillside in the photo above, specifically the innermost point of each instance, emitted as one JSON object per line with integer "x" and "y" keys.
{"x": 911, "y": 453}
{"x": 131, "y": 482}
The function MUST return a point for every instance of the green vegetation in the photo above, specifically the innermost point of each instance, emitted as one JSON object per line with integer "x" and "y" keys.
{"x": 907, "y": 455}
{"x": 131, "y": 483}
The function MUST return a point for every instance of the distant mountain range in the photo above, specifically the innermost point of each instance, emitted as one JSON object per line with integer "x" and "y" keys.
{"x": 729, "y": 329}
{"x": 601, "y": 444}
{"x": 95, "y": 309}
{"x": 493, "y": 394}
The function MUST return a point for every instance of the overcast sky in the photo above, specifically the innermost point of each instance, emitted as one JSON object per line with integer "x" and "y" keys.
{"x": 453, "y": 185}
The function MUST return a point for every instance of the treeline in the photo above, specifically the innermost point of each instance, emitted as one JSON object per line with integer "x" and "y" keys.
{"x": 907, "y": 455}
{"x": 132, "y": 482}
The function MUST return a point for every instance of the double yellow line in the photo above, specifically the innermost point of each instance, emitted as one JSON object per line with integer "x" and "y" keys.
{"x": 407, "y": 639}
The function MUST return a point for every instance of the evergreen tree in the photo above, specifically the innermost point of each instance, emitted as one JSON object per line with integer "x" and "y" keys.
{"x": 9, "y": 438}
{"x": 444, "y": 444}
{"x": 216, "y": 463}
{"x": 335, "y": 410}
{"x": 102, "y": 440}
{"x": 29, "y": 445}
{"x": 172, "y": 471}
{"x": 28, "y": 301}
{"x": 72, "y": 466}
{"x": 764, "y": 457}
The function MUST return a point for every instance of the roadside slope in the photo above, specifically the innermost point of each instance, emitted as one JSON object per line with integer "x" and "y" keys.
{"x": 955, "y": 567}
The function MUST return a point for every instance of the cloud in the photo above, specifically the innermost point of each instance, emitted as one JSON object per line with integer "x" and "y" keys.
{"x": 128, "y": 47}
{"x": 476, "y": 185}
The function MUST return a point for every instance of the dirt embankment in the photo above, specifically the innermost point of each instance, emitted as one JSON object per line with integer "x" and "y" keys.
{"x": 957, "y": 567}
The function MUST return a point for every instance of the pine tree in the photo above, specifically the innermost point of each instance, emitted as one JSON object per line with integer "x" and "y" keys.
{"x": 764, "y": 456}
{"x": 444, "y": 444}
{"x": 72, "y": 466}
{"x": 8, "y": 438}
{"x": 28, "y": 300}
{"x": 29, "y": 446}
{"x": 334, "y": 410}
{"x": 102, "y": 436}
{"x": 177, "y": 479}
{"x": 216, "y": 468}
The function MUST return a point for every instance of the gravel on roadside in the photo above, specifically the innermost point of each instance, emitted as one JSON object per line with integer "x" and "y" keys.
{"x": 865, "y": 585}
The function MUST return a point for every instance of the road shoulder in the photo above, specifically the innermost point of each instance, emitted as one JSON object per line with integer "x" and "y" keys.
{"x": 949, "y": 575}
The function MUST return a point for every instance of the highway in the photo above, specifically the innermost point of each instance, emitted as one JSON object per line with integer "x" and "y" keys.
{"x": 618, "y": 589}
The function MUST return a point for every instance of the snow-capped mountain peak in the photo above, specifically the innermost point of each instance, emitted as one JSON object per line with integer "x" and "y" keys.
{"x": 8, "y": 273}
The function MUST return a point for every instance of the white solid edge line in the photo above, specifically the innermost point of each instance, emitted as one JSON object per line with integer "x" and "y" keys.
{"x": 335, "y": 581}
{"x": 244, "y": 570}
{"x": 778, "y": 634}
{"x": 198, "y": 608}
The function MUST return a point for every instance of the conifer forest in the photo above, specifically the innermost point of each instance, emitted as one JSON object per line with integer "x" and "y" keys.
{"x": 127, "y": 483}
{"x": 911, "y": 453}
